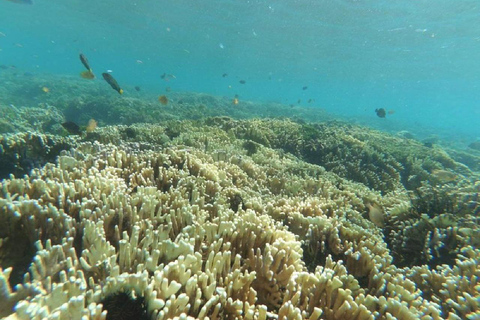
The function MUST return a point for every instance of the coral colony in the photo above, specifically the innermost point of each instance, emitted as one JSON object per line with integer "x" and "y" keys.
{"x": 230, "y": 219}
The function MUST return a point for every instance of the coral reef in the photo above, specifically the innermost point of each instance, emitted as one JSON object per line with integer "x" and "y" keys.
{"x": 76, "y": 99}
{"x": 377, "y": 160}
{"x": 43, "y": 118}
{"x": 229, "y": 219}
{"x": 22, "y": 152}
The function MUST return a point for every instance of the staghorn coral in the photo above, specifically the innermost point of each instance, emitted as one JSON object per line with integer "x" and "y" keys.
{"x": 181, "y": 233}
{"x": 381, "y": 162}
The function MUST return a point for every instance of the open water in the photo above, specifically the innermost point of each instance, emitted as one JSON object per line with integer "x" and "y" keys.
{"x": 418, "y": 59}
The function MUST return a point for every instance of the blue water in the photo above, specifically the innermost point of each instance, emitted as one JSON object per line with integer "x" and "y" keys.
{"x": 418, "y": 58}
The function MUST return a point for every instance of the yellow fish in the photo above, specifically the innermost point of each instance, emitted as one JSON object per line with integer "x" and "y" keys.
{"x": 92, "y": 125}
{"x": 163, "y": 100}
{"x": 45, "y": 89}
{"x": 88, "y": 74}
{"x": 444, "y": 176}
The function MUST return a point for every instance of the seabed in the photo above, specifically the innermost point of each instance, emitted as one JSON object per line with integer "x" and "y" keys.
{"x": 200, "y": 209}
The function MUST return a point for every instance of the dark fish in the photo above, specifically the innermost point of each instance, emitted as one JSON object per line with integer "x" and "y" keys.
{"x": 224, "y": 75}
{"x": 168, "y": 77}
{"x": 137, "y": 88}
{"x": 305, "y": 88}
{"x": 381, "y": 112}
{"x": 71, "y": 127}
{"x": 85, "y": 62}
{"x": 299, "y": 101}
{"x": 242, "y": 81}
{"x": 112, "y": 82}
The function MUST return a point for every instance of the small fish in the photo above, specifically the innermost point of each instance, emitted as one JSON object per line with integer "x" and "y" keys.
{"x": 168, "y": 77}
{"x": 137, "y": 88}
{"x": 390, "y": 112}
{"x": 87, "y": 74}
{"x": 242, "y": 81}
{"x": 71, "y": 127}
{"x": 112, "y": 82}
{"x": 45, "y": 89}
{"x": 311, "y": 100}
{"x": 299, "y": 101}
{"x": 235, "y": 101}
{"x": 2, "y": 34}
{"x": 168, "y": 89}
{"x": 225, "y": 75}
{"x": 376, "y": 214}
{"x": 381, "y": 113}
{"x": 85, "y": 63}
{"x": 305, "y": 88}
{"x": 163, "y": 100}
{"x": 444, "y": 176}
{"x": 92, "y": 125}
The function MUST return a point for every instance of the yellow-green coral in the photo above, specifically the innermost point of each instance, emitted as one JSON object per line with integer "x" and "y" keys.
{"x": 248, "y": 235}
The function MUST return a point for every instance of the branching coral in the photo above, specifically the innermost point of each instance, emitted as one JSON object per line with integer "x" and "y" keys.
{"x": 173, "y": 231}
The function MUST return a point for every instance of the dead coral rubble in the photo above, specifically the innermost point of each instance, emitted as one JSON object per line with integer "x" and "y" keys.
{"x": 175, "y": 231}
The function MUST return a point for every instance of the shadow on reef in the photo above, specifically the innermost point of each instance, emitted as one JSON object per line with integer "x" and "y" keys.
{"x": 17, "y": 251}
{"x": 434, "y": 230}
{"x": 123, "y": 306}
{"x": 21, "y": 153}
